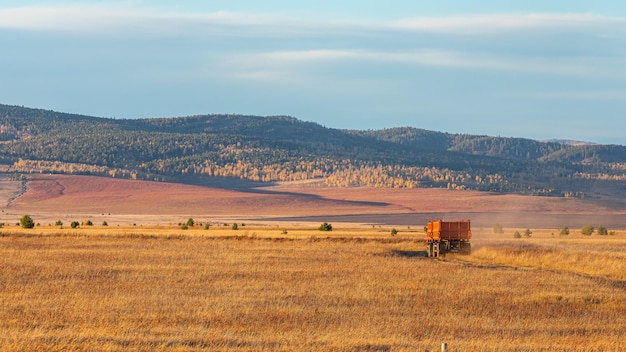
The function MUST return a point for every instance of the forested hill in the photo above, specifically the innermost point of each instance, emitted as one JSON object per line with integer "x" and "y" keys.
{"x": 281, "y": 148}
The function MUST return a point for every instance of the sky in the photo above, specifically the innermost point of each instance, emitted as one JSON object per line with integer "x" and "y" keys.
{"x": 531, "y": 69}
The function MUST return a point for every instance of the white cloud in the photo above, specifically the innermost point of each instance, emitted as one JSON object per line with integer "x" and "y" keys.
{"x": 495, "y": 23}
{"x": 65, "y": 17}
{"x": 120, "y": 18}
{"x": 308, "y": 55}
{"x": 296, "y": 64}
{"x": 124, "y": 20}
{"x": 108, "y": 16}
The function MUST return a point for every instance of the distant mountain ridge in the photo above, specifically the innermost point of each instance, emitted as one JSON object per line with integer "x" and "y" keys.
{"x": 282, "y": 148}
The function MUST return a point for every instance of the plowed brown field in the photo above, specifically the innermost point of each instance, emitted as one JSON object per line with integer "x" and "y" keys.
{"x": 63, "y": 197}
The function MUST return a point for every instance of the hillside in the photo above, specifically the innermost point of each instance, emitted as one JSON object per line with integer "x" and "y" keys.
{"x": 221, "y": 149}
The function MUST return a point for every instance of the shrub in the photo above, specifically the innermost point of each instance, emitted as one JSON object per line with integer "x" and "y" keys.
{"x": 527, "y": 233}
{"x": 27, "y": 222}
{"x": 184, "y": 226}
{"x": 235, "y": 227}
{"x": 497, "y": 228}
{"x": 207, "y": 226}
{"x": 602, "y": 230}
{"x": 325, "y": 227}
{"x": 394, "y": 232}
{"x": 564, "y": 231}
{"x": 88, "y": 223}
{"x": 58, "y": 223}
{"x": 74, "y": 224}
{"x": 587, "y": 230}
{"x": 517, "y": 234}
{"x": 104, "y": 223}
{"x": 190, "y": 222}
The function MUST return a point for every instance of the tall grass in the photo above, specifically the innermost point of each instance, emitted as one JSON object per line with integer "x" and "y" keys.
{"x": 600, "y": 256}
{"x": 308, "y": 293}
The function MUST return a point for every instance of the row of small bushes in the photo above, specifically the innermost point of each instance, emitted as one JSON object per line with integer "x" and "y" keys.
{"x": 586, "y": 230}
{"x": 27, "y": 222}
{"x": 192, "y": 223}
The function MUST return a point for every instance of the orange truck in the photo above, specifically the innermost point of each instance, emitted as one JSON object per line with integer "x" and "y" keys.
{"x": 448, "y": 236}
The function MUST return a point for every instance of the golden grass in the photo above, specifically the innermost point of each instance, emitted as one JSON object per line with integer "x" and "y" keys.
{"x": 596, "y": 256}
{"x": 349, "y": 290}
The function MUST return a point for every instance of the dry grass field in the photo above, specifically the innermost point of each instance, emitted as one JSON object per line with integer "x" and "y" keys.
{"x": 278, "y": 284}
{"x": 352, "y": 289}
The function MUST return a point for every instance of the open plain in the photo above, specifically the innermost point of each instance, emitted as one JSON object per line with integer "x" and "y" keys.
{"x": 277, "y": 283}
{"x": 125, "y": 202}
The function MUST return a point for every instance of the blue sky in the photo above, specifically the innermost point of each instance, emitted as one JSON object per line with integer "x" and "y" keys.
{"x": 533, "y": 69}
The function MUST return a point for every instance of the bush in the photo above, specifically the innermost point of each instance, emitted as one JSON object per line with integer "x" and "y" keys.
{"x": 325, "y": 227}
{"x": 88, "y": 223}
{"x": 207, "y": 226}
{"x": 497, "y": 228}
{"x": 587, "y": 230}
{"x": 527, "y": 233}
{"x": 27, "y": 222}
{"x": 602, "y": 230}
{"x": 190, "y": 222}
{"x": 58, "y": 223}
{"x": 394, "y": 232}
{"x": 517, "y": 234}
{"x": 74, "y": 224}
{"x": 564, "y": 231}
{"x": 104, "y": 223}
{"x": 235, "y": 227}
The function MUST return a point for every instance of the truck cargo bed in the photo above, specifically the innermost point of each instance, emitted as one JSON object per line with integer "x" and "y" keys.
{"x": 448, "y": 236}
{"x": 449, "y": 230}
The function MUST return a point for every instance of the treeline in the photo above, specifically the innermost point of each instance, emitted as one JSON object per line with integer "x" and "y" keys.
{"x": 346, "y": 174}
{"x": 280, "y": 148}
{"x": 331, "y": 173}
